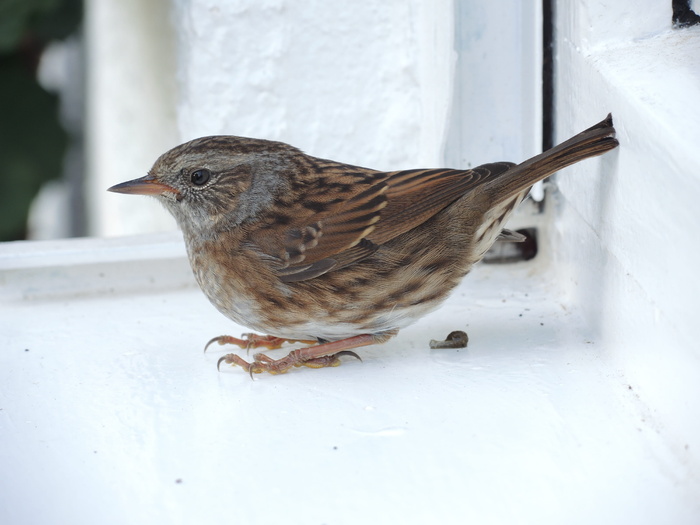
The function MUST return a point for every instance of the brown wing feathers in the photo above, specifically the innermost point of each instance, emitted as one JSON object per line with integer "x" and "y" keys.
{"x": 349, "y": 229}
{"x": 416, "y": 195}
{"x": 352, "y": 230}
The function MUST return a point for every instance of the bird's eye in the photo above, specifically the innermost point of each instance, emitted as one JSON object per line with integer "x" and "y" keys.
{"x": 200, "y": 177}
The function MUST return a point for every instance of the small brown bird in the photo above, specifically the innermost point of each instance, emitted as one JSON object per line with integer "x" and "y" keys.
{"x": 336, "y": 256}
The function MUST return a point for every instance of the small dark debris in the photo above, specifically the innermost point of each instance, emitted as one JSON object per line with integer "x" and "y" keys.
{"x": 683, "y": 14}
{"x": 456, "y": 339}
{"x": 178, "y": 480}
{"x": 26, "y": 349}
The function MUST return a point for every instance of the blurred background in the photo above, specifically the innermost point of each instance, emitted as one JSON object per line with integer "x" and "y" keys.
{"x": 41, "y": 119}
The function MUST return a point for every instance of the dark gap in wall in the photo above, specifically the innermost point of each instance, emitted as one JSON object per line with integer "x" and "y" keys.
{"x": 547, "y": 74}
{"x": 510, "y": 252}
{"x": 683, "y": 14}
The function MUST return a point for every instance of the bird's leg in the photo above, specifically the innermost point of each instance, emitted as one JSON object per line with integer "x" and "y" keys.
{"x": 316, "y": 356}
{"x": 248, "y": 341}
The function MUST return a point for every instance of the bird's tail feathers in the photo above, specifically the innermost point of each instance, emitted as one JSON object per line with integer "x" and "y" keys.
{"x": 592, "y": 142}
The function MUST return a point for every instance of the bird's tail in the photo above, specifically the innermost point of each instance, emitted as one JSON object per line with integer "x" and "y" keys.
{"x": 592, "y": 142}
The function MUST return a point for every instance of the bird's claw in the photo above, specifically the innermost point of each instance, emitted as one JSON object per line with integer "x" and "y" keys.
{"x": 350, "y": 353}
{"x": 263, "y": 363}
{"x": 319, "y": 355}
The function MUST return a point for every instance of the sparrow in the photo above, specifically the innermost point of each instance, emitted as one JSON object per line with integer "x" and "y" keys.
{"x": 335, "y": 256}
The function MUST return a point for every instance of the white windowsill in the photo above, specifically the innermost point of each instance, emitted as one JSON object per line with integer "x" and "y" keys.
{"x": 111, "y": 413}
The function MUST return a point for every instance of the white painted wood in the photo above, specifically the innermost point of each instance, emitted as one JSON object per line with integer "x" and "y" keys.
{"x": 497, "y": 96}
{"x": 575, "y": 401}
{"x": 624, "y": 247}
{"x": 111, "y": 413}
{"x": 74, "y": 267}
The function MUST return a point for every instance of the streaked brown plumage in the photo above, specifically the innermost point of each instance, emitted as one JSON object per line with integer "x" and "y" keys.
{"x": 308, "y": 249}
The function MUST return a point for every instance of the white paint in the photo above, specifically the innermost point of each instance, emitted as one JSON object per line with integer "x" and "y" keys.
{"x": 360, "y": 82}
{"x": 624, "y": 245}
{"x": 79, "y": 267}
{"x": 497, "y": 93}
{"x": 583, "y": 410}
{"x": 107, "y": 401}
{"x": 589, "y": 23}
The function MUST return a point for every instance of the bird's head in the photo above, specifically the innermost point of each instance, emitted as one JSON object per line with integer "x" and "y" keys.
{"x": 219, "y": 181}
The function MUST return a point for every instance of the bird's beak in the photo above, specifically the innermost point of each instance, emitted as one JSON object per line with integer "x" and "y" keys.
{"x": 147, "y": 185}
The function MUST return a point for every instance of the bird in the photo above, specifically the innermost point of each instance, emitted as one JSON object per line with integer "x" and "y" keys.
{"x": 330, "y": 255}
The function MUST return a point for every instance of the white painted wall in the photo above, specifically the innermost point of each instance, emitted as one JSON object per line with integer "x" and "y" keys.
{"x": 366, "y": 83}
{"x": 362, "y": 82}
{"x": 497, "y": 94}
{"x": 625, "y": 245}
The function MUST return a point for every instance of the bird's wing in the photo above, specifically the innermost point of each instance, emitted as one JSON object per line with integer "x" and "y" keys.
{"x": 337, "y": 224}
{"x": 325, "y": 229}
{"x": 414, "y": 196}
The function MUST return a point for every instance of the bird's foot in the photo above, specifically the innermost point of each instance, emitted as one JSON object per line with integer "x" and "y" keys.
{"x": 263, "y": 363}
{"x": 316, "y": 356}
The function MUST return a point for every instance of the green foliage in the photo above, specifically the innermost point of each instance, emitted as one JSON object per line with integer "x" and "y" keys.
{"x": 45, "y": 19}
{"x": 16, "y": 16}
{"x": 32, "y": 142}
